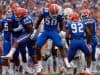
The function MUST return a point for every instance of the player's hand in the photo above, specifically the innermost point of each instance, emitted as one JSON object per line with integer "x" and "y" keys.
{"x": 62, "y": 34}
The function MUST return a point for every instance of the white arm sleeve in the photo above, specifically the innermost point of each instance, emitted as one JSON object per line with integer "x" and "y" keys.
{"x": 33, "y": 34}
{"x": 18, "y": 28}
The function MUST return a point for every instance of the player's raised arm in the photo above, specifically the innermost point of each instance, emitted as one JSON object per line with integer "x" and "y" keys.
{"x": 88, "y": 31}
{"x": 61, "y": 17}
{"x": 67, "y": 34}
{"x": 40, "y": 17}
{"x": 61, "y": 24}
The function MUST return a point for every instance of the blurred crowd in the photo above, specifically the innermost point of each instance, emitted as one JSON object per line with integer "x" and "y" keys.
{"x": 34, "y": 6}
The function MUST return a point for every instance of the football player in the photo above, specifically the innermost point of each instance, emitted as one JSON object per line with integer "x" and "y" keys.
{"x": 52, "y": 18}
{"x": 75, "y": 30}
{"x": 6, "y": 45}
{"x": 27, "y": 24}
{"x": 91, "y": 23}
{"x": 7, "y": 42}
{"x": 67, "y": 13}
{"x": 12, "y": 22}
{"x": 16, "y": 32}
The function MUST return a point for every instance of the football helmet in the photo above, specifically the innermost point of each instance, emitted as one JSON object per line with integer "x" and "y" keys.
{"x": 74, "y": 16}
{"x": 67, "y": 12}
{"x": 54, "y": 9}
{"x": 60, "y": 9}
{"x": 20, "y": 12}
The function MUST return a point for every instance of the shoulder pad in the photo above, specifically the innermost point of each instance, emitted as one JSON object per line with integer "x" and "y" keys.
{"x": 27, "y": 19}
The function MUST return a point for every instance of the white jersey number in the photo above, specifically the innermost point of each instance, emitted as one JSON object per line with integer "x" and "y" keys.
{"x": 77, "y": 27}
{"x": 6, "y": 27}
{"x": 49, "y": 21}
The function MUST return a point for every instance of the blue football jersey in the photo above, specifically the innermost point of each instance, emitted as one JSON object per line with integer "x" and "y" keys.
{"x": 77, "y": 29}
{"x": 15, "y": 23}
{"x": 50, "y": 23}
{"x": 7, "y": 33}
{"x": 27, "y": 20}
{"x": 92, "y": 22}
{"x": 14, "y": 20}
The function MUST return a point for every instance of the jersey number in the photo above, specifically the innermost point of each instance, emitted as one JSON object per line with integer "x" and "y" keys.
{"x": 50, "y": 21}
{"x": 6, "y": 27}
{"x": 77, "y": 27}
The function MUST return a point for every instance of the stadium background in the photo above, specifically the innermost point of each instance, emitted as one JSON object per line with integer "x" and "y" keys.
{"x": 33, "y": 7}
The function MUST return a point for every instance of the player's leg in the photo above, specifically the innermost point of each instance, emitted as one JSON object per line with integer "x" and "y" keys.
{"x": 58, "y": 42}
{"x": 41, "y": 40}
{"x": 94, "y": 44}
{"x": 0, "y": 65}
{"x": 50, "y": 63}
{"x": 73, "y": 47}
{"x": 32, "y": 51}
{"x": 6, "y": 49}
{"x": 14, "y": 63}
{"x": 22, "y": 49}
{"x": 54, "y": 53}
{"x": 23, "y": 59}
{"x": 58, "y": 61}
{"x": 93, "y": 63}
{"x": 15, "y": 45}
{"x": 0, "y": 59}
{"x": 98, "y": 58}
{"x": 49, "y": 55}
{"x": 39, "y": 43}
{"x": 11, "y": 52}
{"x": 85, "y": 49}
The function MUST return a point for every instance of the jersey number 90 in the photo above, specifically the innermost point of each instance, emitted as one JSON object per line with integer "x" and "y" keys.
{"x": 77, "y": 28}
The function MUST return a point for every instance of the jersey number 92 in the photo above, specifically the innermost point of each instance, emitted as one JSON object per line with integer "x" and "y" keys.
{"x": 77, "y": 28}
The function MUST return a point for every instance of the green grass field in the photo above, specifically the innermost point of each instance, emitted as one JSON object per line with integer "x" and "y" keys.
{"x": 98, "y": 73}
{"x": 67, "y": 74}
